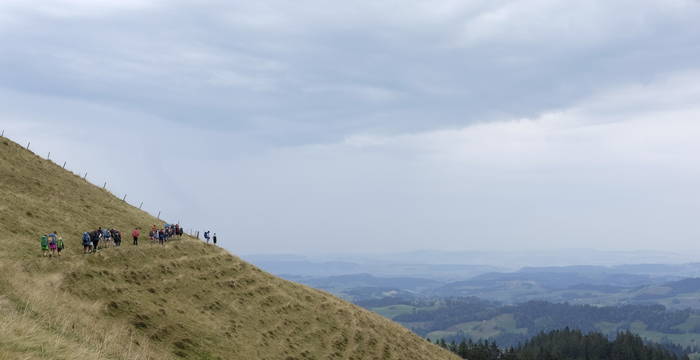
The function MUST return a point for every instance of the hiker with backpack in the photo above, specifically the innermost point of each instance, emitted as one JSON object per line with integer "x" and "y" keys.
{"x": 214, "y": 238}
{"x": 95, "y": 239}
{"x": 87, "y": 243}
{"x": 52, "y": 243}
{"x": 135, "y": 234}
{"x": 106, "y": 237}
{"x": 59, "y": 245}
{"x": 161, "y": 237}
{"x": 44, "y": 241}
{"x": 117, "y": 236}
{"x": 206, "y": 236}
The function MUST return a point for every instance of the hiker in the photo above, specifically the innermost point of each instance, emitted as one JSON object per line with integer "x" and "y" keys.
{"x": 214, "y": 238}
{"x": 53, "y": 237}
{"x": 161, "y": 237}
{"x": 117, "y": 236}
{"x": 106, "y": 237}
{"x": 135, "y": 234}
{"x": 44, "y": 241}
{"x": 87, "y": 243}
{"x": 59, "y": 245}
{"x": 52, "y": 243}
{"x": 206, "y": 236}
{"x": 152, "y": 236}
{"x": 95, "y": 239}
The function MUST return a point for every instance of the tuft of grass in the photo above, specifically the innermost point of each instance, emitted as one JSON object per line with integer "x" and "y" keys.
{"x": 188, "y": 300}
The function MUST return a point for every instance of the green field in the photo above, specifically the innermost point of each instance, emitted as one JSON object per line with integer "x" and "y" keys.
{"x": 486, "y": 329}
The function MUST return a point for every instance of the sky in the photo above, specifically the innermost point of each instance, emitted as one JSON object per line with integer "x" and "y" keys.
{"x": 372, "y": 126}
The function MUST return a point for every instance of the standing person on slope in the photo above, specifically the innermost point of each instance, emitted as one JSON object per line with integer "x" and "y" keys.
{"x": 117, "y": 236}
{"x": 206, "y": 236}
{"x": 135, "y": 234}
{"x": 52, "y": 243}
{"x": 161, "y": 237}
{"x": 44, "y": 241}
{"x": 87, "y": 243}
{"x": 60, "y": 245}
{"x": 106, "y": 237}
{"x": 95, "y": 239}
{"x": 214, "y": 238}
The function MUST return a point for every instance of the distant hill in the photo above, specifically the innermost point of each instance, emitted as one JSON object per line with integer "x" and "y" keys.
{"x": 364, "y": 286}
{"x": 578, "y": 285}
{"x": 187, "y": 300}
{"x": 510, "y": 325}
{"x": 597, "y": 285}
{"x": 295, "y": 266}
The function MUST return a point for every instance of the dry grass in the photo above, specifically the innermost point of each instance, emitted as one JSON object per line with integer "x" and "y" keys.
{"x": 188, "y": 300}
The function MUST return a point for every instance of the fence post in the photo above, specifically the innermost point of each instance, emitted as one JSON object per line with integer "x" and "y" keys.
{"x": 64, "y": 164}
{"x": 28, "y": 145}
{"x": 3, "y": 133}
{"x": 124, "y": 199}
{"x": 48, "y": 157}
{"x": 140, "y": 205}
{"x": 85, "y": 177}
{"x": 158, "y": 215}
{"x": 105, "y": 185}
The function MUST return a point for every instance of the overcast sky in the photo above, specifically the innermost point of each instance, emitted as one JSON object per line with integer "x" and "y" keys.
{"x": 368, "y": 126}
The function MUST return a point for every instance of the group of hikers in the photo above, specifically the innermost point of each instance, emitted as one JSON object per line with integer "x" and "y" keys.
{"x": 52, "y": 244}
{"x": 207, "y": 236}
{"x": 164, "y": 234}
{"x": 100, "y": 239}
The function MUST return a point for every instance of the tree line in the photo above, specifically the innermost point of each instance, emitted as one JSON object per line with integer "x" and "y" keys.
{"x": 566, "y": 344}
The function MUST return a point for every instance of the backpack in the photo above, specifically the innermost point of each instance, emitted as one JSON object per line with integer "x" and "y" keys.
{"x": 86, "y": 237}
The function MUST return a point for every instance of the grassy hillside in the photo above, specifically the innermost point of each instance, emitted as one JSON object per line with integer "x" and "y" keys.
{"x": 187, "y": 300}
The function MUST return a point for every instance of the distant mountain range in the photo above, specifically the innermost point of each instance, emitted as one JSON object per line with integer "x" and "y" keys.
{"x": 670, "y": 285}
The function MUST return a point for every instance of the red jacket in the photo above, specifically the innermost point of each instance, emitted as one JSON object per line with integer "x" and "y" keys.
{"x": 135, "y": 233}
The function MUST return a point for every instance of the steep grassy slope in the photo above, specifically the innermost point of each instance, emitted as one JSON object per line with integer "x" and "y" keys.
{"x": 186, "y": 300}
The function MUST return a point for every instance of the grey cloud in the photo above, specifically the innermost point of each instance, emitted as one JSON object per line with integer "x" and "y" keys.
{"x": 314, "y": 71}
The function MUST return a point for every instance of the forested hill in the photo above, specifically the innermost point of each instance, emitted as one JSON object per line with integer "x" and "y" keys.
{"x": 477, "y": 319}
{"x": 567, "y": 345}
{"x": 185, "y": 300}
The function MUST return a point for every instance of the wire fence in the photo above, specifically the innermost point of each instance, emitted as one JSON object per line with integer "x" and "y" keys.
{"x": 84, "y": 176}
